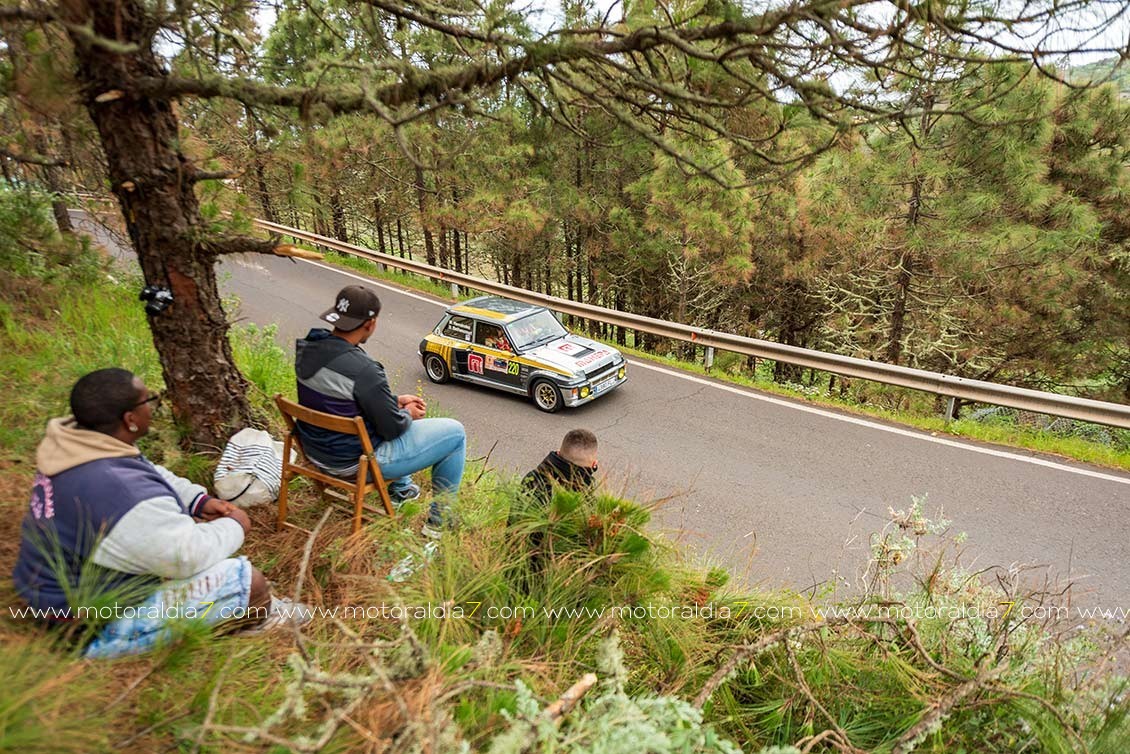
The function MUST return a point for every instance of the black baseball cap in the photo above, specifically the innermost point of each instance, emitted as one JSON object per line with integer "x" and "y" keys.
{"x": 354, "y": 306}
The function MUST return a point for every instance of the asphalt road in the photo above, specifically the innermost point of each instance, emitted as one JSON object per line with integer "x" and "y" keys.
{"x": 780, "y": 492}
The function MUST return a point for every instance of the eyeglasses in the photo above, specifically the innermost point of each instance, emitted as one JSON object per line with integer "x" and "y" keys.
{"x": 155, "y": 399}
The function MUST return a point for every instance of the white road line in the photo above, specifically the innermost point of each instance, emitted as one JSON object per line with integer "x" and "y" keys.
{"x": 377, "y": 283}
{"x": 885, "y": 428}
{"x": 917, "y": 435}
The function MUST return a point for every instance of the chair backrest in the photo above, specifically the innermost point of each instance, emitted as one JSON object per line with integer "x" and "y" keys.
{"x": 293, "y": 412}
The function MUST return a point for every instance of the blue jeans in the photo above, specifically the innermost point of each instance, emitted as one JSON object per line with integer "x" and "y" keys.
{"x": 438, "y": 443}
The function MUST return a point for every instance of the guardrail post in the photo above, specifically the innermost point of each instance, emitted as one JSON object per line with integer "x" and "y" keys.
{"x": 708, "y": 358}
{"x": 454, "y": 290}
{"x": 951, "y": 405}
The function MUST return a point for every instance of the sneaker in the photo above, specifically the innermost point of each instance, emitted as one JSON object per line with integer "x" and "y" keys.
{"x": 407, "y": 565}
{"x": 283, "y": 613}
{"x": 401, "y": 494}
{"x": 431, "y": 531}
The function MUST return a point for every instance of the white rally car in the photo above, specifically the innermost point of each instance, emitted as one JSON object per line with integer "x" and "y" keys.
{"x": 520, "y": 348}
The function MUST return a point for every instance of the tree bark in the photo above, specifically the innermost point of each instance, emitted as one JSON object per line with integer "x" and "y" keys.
{"x": 380, "y": 225}
{"x": 337, "y": 212}
{"x": 259, "y": 167}
{"x": 152, "y": 180}
{"x": 421, "y": 200}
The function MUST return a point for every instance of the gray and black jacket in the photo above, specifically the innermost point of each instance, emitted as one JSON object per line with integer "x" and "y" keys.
{"x": 339, "y": 378}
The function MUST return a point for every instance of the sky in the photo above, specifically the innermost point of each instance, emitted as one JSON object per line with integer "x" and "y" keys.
{"x": 544, "y": 15}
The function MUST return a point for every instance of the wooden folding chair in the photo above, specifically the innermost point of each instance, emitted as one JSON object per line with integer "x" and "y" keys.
{"x": 368, "y": 471}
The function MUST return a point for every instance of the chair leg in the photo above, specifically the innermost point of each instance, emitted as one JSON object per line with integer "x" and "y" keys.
{"x": 286, "y": 477}
{"x": 359, "y": 493}
{"x": 383, "y": 488}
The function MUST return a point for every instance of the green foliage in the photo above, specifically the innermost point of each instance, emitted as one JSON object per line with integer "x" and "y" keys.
{"x": 266, "y": 365}
{"x": 612, "y": 723}
{"x": 46, "y": 701}
{"x": 30, "y": 243}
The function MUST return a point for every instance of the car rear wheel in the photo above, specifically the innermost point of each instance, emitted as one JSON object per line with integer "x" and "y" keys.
{"x": 546, "y": 396}
{"x": 436, "y": 368}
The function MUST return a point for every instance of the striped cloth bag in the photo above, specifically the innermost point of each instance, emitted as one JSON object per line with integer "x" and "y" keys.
{"x": 250, "y": 469}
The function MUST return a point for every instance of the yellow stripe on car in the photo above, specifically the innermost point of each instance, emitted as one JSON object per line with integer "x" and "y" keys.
{"x": 479, "y": 312}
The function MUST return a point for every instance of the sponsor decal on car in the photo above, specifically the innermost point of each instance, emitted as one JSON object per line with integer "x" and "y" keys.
{"x": 569, "y": 348}
{"x": 593, "y": 357}
{"x": 497, "y": 365}
{"x": 474, "y": 363}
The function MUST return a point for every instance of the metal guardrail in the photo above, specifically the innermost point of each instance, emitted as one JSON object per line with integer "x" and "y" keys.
{"x": 1099, "y": 412}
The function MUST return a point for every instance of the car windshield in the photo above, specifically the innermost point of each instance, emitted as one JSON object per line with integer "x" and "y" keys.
{"x": 541, "y": 327}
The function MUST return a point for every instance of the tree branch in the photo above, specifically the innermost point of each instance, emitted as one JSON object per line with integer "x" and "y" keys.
{"x": 34, "y": 12}
{"x": 32, "y": 159}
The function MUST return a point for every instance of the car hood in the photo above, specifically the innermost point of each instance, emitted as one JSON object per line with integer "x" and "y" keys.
{"x": 573, "y": 353}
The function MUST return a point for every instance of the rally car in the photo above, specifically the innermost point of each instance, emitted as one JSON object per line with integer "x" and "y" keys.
{"x": 520, "y": 348}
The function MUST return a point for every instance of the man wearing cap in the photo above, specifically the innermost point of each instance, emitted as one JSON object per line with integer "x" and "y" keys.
{"x": 336, "y": 376}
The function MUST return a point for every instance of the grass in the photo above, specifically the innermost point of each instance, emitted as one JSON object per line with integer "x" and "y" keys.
{"x": 892, "y": 404}
{"x": 476, "y": 655}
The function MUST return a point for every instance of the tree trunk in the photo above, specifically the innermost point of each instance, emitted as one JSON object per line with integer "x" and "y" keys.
{"x": 400, "y": 238}
{"x": 153, "y": 182}
{"x": 337, "y": 212}
{"x": 380, "y": 225}
{"x": 457, "y": 251}
{"x": 907, "y": 262}
{"x": 259, "y": 167}
{"x": 53, "y": 180}
{"x": 421, "y": 200}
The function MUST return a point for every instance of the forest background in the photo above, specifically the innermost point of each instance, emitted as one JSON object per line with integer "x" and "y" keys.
{"x": 964, "y": 213}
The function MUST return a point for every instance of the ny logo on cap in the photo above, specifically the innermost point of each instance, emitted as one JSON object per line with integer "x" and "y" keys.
{"x": 343, "y": 304}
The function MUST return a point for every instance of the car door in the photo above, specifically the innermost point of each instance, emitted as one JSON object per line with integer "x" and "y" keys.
{"x": 461, "y": 330}
{"x": 492, "y": 357}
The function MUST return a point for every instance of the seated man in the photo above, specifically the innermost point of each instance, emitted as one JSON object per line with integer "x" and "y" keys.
{"x": 570, "y": 467}
{"x": 336, "y": 376}
{"x": 111, "y": 532}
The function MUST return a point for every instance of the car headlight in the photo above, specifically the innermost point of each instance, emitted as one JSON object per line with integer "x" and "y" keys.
{"x": 623, "y": 371}
{"x": 585, "y": 391}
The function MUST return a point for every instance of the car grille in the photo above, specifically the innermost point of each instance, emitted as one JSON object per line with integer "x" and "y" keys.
{"x": 610, "y": 374}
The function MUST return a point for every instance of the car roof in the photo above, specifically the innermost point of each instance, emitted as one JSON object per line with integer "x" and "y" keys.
{"x": 495, "y": 307}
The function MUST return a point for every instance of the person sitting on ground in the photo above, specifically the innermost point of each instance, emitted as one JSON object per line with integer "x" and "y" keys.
{"x": 571, "y": 467}
{"x": 336, "y": 376}
{"x": 107, "y": 524}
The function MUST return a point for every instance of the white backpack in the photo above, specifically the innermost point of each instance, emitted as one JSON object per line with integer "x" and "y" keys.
{"x": 250, "y": 469}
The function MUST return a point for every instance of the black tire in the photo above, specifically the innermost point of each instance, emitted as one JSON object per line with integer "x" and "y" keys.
{"x": 436, "y": 368}
{"x": 546, "y": 396}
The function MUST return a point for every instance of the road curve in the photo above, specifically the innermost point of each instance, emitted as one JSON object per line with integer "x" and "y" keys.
{"x": 769, "y": 487}
{"x": 780, "y": 492}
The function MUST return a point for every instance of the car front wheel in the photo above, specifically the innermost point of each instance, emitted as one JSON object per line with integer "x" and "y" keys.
{"x": 546, "y": 396}
{"x": 436, "y": 368}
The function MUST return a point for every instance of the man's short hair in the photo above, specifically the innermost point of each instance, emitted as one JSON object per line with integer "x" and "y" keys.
{"x": 578, "y": 440}
{"x": 99, "y": 398}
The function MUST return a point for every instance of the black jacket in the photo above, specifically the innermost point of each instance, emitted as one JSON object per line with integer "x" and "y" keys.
{"x": 555, "y": 470}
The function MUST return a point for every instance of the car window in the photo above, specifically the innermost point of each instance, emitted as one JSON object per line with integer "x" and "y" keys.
{"x": 491, "y": 336}
{"x": 459, "y": 328}
{"x": 541, "y": 326}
